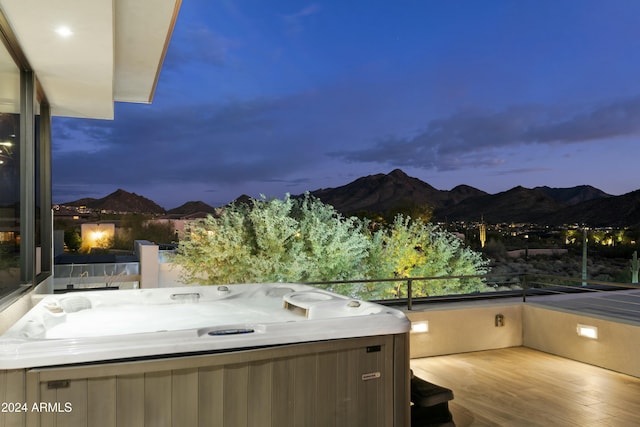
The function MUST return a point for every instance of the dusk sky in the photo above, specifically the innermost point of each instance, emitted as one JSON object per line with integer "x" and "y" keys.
{"x": 273, "y": 97}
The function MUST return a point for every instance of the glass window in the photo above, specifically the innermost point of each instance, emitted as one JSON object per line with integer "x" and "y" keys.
{"x": 9, "y": 172}
{"x": 38, "y": 213}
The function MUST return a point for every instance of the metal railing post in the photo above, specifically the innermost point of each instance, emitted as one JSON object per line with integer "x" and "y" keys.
{"x": 409, "y": 294}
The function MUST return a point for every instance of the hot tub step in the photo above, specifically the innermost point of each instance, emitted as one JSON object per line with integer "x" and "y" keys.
{"x": 432, "y": 416}
{"x": 425, "y": 394}
{"x": 430, "y": 404}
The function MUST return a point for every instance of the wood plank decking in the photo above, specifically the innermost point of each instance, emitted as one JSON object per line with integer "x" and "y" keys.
{"x": 519, "y": 386}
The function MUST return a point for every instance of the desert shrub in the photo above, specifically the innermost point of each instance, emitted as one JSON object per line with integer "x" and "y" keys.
{"x": 274, "y": 240}
{"x": 73, "y": 240}
{"x": 410, "y": 248}
{"x": 495, "y": 249}
{"x": 304, "y": 240}
{"x": 142, "y": 227}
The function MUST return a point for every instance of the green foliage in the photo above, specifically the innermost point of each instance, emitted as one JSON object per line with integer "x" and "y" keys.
{"x": 410, "y": 248}
{"x": 71, "y": 228}
{"x": 214, "y": 249}
{"x": 142, "y": 227}
{"x": 304, "y": 240}
{"x": 158, "y": 232}
{"x": 274, "y": 240}
{"x": 73, "y": 240}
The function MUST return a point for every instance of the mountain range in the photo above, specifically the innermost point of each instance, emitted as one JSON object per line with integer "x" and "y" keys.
{"x": 384, "y": 193}
{"x": 582, "y": 204}
{"x": 123, "y": 201}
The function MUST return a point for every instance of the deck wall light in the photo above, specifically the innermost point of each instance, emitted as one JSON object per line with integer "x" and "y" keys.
{"x": 420, "y": 327}
{"x": 587, "y": 331}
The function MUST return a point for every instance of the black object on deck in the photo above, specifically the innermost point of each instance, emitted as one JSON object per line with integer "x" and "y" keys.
{"x": 430, "y": 404}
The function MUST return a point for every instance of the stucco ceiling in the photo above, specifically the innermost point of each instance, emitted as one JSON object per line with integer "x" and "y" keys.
{"x": 114, "y": 52}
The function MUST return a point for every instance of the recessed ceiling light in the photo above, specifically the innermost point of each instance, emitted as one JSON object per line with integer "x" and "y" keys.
{"x": 64, "y": 31}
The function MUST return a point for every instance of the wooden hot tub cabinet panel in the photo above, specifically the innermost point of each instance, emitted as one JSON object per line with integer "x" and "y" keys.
{"x": 346, "y": 382}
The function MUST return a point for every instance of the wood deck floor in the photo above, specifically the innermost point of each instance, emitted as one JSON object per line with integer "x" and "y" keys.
{"x": 523, "y": 387}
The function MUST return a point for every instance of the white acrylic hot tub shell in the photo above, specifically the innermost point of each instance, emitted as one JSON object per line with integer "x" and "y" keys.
{"x": 113, "y": 325}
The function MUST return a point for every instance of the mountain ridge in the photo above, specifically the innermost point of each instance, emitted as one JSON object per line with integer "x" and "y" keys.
{"x": 119, "y": 201}
{"x": 397, "y": 191}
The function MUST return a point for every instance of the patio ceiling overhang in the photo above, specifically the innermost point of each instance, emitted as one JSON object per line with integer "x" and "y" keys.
{"x": 88, "y": 54}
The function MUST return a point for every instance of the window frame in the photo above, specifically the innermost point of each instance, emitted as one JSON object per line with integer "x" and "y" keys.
{"x": 34, "y": 151}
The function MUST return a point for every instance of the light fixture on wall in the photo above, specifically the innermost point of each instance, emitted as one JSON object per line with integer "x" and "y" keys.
{"x": 420, "y": 327}
{"x": 587, "y": 331}
{"x": 64, "y": 31}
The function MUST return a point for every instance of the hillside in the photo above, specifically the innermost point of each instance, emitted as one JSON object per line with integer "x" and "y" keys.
{"x": 382, "y": 193}
{"x": 516, "y": 205}
{"x": 545, "y": 205}
{"x": 120, "y": 201}
{"x": 396, "y": 191}
{"x": 614, "y": 211}
{"x": 574, "y": 195}
{"x": 191, "y": 208}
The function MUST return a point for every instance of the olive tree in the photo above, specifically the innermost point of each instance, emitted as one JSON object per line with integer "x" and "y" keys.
{"x": 304, "y": 240}
{"x": 274, "y": 240}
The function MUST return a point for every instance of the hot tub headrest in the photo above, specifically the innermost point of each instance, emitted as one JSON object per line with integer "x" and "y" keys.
{"x": 74, "y": 303}
{"x": 318, "y": 303}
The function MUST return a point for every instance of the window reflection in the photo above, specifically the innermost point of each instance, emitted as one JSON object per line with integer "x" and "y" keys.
{"x": 10, "y": 274}
{"x": 9, "y": 200}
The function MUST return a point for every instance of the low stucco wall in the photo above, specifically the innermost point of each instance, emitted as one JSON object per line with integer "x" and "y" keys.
{"x": 553, "y": 331}
{"x": 147, "y": 253}
{"x": 466, "y": 327}
{"x": 461, "y": 328}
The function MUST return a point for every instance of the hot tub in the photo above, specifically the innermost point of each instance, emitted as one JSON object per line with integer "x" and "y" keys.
{"x": 268, "y": 354}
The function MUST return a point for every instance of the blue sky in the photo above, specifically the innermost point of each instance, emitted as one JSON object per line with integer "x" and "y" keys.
{"x": 286, "y": 96}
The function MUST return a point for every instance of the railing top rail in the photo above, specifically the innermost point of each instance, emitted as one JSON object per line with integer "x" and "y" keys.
{"x": 589, "y": 281}
{"x": 404, "y": 279}
{"x": 528, "y": 279}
